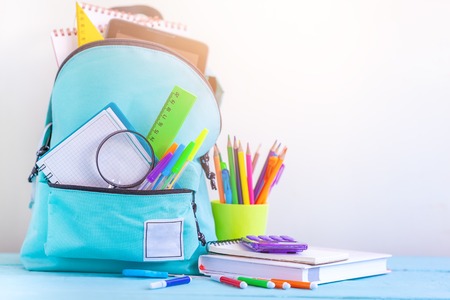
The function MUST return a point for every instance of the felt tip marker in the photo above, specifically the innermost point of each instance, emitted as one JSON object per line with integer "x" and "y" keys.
{"x": 230, "y": 281}
{"x": 170, "y": 282}
{"x": 281, "y": 284}
{"x": 257, "y": 282}
{"x": 299, "y": 284}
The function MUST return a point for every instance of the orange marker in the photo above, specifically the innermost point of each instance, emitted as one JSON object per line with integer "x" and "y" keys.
{"x": 281, "y": 284}
{"x": 298, "y": 284}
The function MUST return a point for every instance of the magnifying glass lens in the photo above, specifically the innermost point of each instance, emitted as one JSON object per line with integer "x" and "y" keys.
{"x": 124, "y": 159}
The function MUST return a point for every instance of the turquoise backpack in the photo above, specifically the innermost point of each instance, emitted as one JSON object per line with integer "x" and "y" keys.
{"x": 75, "y": 228}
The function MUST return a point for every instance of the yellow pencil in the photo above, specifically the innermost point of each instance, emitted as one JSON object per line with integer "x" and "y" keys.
{"x": 243, "y": 176}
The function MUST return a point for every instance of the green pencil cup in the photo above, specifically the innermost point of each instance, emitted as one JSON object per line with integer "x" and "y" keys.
{"x": 234, "y": 221}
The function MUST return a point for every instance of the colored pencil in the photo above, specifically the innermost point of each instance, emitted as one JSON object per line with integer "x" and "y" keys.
{"x": 243, "y": 176}
{"x": 218, "y": 174}
{"x": 251, "y": 194}
{"x": 232, "y": 172}
{"x": 238, "y": 172}
{"x": 255, "y": 158}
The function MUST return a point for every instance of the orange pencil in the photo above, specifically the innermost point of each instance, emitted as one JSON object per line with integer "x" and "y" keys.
{"x": 262, "y": 197}
{"x": 218, "y": 174}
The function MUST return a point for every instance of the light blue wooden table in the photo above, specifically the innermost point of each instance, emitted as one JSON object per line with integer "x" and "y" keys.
{"x": 411, "y": 278}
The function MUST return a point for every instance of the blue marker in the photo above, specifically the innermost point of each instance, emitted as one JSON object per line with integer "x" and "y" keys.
{"x": 227, "y": 186}
{"x": 144, "y": 273}
{"x": 170, "y": 282}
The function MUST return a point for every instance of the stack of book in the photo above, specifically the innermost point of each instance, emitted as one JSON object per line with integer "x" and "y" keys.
{"x": 320, "y": 265}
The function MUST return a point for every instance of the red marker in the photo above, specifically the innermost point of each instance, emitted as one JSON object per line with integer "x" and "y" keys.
{"x": 229, "y": 281}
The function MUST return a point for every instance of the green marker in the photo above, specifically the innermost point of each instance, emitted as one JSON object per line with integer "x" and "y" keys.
{"x": 197, "y": 144}
{"x": 257, "y": 282}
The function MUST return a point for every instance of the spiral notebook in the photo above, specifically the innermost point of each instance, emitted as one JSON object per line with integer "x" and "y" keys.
{"x": 72, "y": 161}
{"x": 65, "y": 40}
{"x": 311, "y": 256}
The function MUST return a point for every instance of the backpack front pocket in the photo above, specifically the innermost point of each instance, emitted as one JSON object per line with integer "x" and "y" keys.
{"x": 123, "y": 225}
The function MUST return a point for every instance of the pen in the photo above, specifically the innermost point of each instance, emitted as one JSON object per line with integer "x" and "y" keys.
{"x": 262, "y": 197}
{"x": 166, "y": 172}
{"x": 277, "y": 178}
{"x": 144, "y": 273}
{"x": 198, "y": 142}
{"x": 257, "y": 282}
{"x": 226, "y": 184}
{"x": 156, "y": 172}
{"x": 171, "y": 149}
{"x": 170, "y": 282}
{"x": 179, "y": 164}
{"x": 230, "y": 281}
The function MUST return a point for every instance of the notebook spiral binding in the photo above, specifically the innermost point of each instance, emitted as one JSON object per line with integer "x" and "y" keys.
{"x": 73, "y": 31}
{"x": 223, "y": 242}
{"x": 153, "y": 22}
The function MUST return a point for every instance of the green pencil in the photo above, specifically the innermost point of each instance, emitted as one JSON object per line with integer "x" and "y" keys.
{"x": 232, "y": 172}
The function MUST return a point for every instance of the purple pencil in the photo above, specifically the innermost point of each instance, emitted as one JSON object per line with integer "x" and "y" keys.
{"x": 238, "y": 176}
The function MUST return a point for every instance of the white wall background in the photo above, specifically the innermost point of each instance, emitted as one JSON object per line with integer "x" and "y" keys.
{"x": 358, "y": 90}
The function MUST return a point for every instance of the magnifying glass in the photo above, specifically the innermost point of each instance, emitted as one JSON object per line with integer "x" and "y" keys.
{"x": 124, "y": 159}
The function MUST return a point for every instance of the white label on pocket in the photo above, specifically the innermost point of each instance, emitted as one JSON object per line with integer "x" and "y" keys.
{"x": 163, "y": 240}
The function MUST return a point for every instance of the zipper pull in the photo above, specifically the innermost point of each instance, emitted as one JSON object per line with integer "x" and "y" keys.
{"x": 47, "y": 134}
{"x": 34, "y": 171}
{"x": 201, "y": 237}
{"x": 204, "y": 160}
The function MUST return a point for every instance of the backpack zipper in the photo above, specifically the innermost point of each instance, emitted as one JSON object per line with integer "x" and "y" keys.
{"x": 136, "y": 43}
{"x": 118, "y": 190}
{"x": 200, "y": 235}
